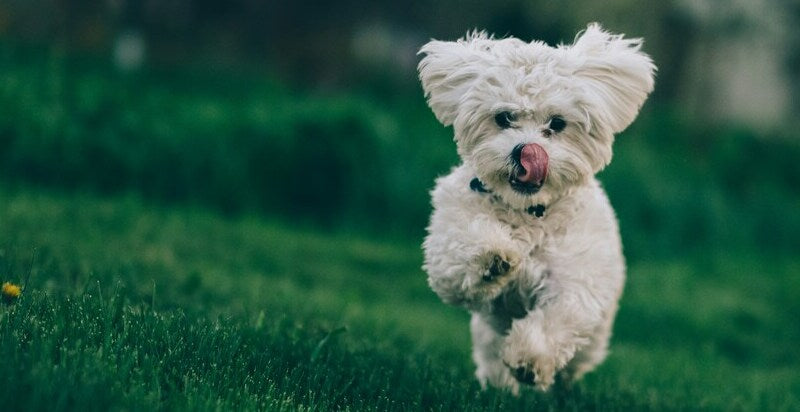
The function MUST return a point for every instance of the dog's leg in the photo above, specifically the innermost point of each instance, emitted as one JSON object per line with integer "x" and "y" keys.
{"x": 487, "y": 345}
{"x": 548, "y": 338}
{"x": 588, "y": 357}
{"x": 469, "y": 261}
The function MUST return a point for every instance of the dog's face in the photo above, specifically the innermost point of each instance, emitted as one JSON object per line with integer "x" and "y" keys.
{"x": 534, "y": 120}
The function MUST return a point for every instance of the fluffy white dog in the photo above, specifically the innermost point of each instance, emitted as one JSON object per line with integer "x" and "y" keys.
{"x": 522, "y": 234}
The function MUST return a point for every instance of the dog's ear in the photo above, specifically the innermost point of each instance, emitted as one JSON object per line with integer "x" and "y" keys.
{"x": 614, "y": 73}
{"x": 449, "y": 69}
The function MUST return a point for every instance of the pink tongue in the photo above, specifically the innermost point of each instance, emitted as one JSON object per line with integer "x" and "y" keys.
{"x": 534, "y": 160}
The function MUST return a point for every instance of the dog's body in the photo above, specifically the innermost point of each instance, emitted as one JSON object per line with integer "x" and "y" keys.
{"x": 522, "y": 234}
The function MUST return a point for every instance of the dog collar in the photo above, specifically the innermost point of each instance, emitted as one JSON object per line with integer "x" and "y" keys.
{"x": 477, "y": 186}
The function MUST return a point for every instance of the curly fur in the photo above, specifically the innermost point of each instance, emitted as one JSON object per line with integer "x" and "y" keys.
{"x": 543, "y": 292}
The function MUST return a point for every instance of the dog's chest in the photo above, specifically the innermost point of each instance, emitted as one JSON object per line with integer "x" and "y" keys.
{"x": 532, "y": 235}
{"x": 530, "y": 232}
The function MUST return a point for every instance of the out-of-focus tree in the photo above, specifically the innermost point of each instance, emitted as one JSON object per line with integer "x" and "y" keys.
{"x": 724, "y": 60}
{"x": 739, "y": 64}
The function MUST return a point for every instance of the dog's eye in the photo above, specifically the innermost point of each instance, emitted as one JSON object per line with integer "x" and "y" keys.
{"x": 504, "y": 119}
{"x": 557, "y": 123}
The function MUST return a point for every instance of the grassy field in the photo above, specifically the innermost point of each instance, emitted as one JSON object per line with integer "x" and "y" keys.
{"x": 130, "y": 305}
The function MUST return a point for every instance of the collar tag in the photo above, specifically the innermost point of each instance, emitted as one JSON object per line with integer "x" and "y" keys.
{"x": 537, "y": 210}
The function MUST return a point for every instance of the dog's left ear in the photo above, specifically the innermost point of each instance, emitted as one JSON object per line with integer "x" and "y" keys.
{"x": 449, "y": 69}
{"x": 615, "y": 74}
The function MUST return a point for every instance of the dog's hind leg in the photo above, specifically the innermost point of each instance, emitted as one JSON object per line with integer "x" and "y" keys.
{"x": 487, "y": 345}
{"x": 591, "y": 355}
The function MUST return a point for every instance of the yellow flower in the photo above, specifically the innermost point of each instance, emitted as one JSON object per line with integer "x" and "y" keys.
{"x": 10, "y": 292}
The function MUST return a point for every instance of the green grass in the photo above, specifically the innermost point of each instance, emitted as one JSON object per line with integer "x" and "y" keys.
{"x": 136, "y": 306}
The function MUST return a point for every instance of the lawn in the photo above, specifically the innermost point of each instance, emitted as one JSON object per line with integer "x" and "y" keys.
{"x": 131, "y": 304}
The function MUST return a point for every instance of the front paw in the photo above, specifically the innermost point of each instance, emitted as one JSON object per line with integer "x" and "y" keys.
{"x": 494, "y": 270}
{"x": 539, "y": 372}
{"x": 530, "y": 355}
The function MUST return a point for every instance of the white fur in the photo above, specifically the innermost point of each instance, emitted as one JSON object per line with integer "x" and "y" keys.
{"x": 552, "y": 312}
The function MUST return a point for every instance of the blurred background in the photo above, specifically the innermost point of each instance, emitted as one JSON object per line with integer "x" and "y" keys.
{"x": 311, "y": 112}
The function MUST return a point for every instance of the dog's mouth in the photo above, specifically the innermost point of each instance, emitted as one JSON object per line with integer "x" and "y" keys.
{"x": 523, "y": 187}
{"x": 530, "y": 163}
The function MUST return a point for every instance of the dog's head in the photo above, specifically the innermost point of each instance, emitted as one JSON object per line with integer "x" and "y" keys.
{"x": 534, "y": 120}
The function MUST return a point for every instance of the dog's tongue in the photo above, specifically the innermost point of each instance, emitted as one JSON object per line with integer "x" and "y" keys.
{"x": 533, "y": 159}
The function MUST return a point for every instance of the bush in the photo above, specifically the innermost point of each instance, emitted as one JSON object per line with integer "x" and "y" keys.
{"x": 237, "y": 147}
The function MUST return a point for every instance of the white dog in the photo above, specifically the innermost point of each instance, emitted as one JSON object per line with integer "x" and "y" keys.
{"x": 522, "y": 234}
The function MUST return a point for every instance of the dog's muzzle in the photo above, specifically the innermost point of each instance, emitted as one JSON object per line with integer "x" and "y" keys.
{"x": 530, "y": 168}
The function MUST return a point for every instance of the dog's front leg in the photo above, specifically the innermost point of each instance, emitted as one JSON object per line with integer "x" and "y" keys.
{"x": 469, "y": 263}
{"x": 546, "y": 339}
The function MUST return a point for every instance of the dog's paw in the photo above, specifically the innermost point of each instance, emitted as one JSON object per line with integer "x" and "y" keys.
{"x": 523, "y": 375}
{"x": 540, "y": 373}
{"x": 530, "y": 355}
{"x": 494, "y": 270}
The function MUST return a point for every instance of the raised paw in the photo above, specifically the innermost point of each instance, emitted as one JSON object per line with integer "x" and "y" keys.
{"x": 497, "y": 267}
{"x": 492, "y": 272}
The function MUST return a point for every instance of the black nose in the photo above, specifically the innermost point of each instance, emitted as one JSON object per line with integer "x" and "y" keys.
{"x": 516, "y": 154}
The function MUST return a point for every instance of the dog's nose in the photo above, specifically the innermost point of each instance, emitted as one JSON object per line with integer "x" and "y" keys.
{"x": 533, "y": 160}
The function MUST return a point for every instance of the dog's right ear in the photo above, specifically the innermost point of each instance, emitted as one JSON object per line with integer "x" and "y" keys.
{"x": 614, "y": 74}
{"x": 448, "y": 71}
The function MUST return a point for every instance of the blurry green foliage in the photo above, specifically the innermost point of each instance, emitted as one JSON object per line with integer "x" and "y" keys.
{"x": 230, "y": 143}
{"x": 683, "y": 187}
{"x": 239, "y": 142}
